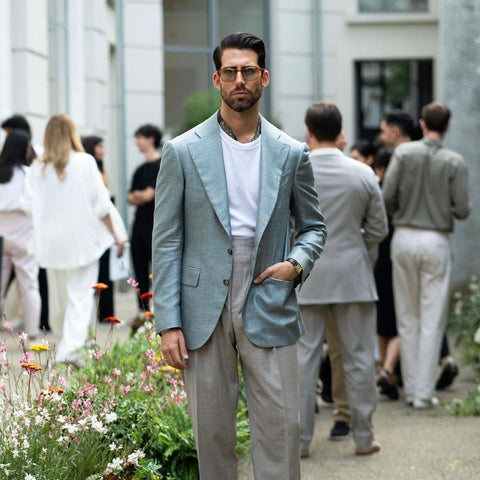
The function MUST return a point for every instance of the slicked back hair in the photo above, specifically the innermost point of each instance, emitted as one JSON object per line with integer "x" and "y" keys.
{"x": 436, "y": 116}
{"x": 241, "y": 41}
{"x": 324, "y": 121}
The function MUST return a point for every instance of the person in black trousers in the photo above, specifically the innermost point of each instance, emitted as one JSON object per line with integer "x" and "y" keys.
{"x": 142, "y": 194}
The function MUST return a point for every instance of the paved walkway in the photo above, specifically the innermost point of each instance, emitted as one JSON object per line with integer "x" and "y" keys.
{"x": 430, "y": 445}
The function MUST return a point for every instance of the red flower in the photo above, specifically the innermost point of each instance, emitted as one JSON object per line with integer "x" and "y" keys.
{"x": 112, "y": 320}
{"x": 99, "y": 287}
{"x": 146, "y": 296}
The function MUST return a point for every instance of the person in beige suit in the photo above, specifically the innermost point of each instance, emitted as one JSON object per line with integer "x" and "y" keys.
{"x": 341, "y": 283}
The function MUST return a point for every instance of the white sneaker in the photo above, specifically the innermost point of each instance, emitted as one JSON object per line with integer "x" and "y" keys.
{"x": 419, "y": 404}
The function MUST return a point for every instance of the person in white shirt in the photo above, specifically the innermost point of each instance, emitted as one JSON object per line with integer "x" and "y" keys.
{"x": 16, "y": 229}
{"x": 72, "y": 227}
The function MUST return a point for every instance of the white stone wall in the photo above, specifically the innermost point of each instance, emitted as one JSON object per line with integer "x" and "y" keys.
{"x": 28, "y": 63}
{"x": 144, "y": 81}
{"x": 291, "y": 63}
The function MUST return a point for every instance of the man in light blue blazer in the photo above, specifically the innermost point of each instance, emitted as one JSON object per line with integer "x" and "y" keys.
{"x": 224, "y": 273}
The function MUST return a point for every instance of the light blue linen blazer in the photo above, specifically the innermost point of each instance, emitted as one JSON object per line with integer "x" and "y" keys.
{"x": 192, "y": 244}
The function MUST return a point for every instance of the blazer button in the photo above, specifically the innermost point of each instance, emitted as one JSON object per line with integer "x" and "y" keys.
{"x": 226, "y": 283}
{"x": 229, "y": 251}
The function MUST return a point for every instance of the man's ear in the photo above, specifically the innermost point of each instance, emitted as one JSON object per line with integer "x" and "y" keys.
{"x": 265, "y": 78}
{"x": 216, "y": 80}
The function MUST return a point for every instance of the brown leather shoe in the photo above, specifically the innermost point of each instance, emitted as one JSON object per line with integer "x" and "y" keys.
{"x": 372, "y": 448}
{"x": 304, "y": 454}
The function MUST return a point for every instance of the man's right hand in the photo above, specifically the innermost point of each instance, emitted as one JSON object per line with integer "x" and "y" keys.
{"x": 173, "y": 348}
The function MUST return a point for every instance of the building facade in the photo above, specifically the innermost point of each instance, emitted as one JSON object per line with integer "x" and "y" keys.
{"x": 115, "y": 64}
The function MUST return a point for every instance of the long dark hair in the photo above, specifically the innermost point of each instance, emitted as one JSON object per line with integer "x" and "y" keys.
{"x": 14, "y": 154}
{"x": 89, "y": 143}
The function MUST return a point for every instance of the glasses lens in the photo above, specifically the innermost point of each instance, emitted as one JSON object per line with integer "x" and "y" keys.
{"x": 228, "y": 74}
{"x": 250, "y": 73}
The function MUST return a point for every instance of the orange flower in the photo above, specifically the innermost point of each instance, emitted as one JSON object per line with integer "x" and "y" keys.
{"x": 99, "y": 287}
{"x": 30, "y": 367}
{"x": 146, "y": 296}
{"x": 148, "y": 314}
{"x": 56, "y": 390}
{"x": 112, "y": 320}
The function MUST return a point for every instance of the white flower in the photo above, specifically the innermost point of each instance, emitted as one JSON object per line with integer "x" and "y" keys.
{"x": 132, "y": 459}
{"x": 476, "y": 337}
{"x": 71, "y": 428}
{"x": 29, "y": 477}
{"x": 61, "y": 419}
{"x": 98, "y": 426}
{"x": 111, "y": 417}
{"x": 114, "y": 466}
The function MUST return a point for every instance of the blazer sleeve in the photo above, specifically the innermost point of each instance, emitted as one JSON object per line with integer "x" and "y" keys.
{"x": 167, "y": 240}
{"x": 390, "y": 183}
{"x": 375, "y": 223}
{"x": 309, "y": 226}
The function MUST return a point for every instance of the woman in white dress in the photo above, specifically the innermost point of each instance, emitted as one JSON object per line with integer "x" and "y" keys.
{"x": 16, "y": 229}
{"x": 73, "y": 227}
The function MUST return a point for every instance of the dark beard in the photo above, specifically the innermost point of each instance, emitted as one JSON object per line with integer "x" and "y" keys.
{"x": 241, "y": 105}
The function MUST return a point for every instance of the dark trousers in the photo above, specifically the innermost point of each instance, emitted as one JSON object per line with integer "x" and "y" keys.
{"x": 141, "y": 248}
{"x": 105, "y": 306}
{"x": 43, "y": 288}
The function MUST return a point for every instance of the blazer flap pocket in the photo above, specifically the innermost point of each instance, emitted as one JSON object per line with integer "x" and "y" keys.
{"x": 190, "y": 276}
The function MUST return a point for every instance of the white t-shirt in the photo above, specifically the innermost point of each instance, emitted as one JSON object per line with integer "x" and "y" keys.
{"x": 242, "y": 169}
{"x": 67, "y": 214}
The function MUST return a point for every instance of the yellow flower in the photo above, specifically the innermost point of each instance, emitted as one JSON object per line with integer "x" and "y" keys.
{"x": 167, "y": 369}
{"x": 39, "y": 348}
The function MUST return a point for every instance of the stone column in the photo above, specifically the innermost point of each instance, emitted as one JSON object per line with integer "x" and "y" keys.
{"x": 30, "y": 90}
{"x": 459, "y": 38}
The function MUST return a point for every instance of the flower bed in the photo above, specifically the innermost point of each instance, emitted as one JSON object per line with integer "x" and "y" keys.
{"x": 465, "y": 322}
{"x": 122, "y": 416}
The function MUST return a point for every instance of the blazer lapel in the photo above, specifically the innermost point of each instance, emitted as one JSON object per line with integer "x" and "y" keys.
{"x": 207, "y": 157}
{"x": 274, "y": 155}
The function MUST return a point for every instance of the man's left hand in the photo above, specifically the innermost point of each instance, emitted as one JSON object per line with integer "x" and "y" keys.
{"x": 280, "y": 271}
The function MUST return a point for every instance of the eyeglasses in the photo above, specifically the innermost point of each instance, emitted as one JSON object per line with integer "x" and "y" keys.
{"x": 249, "y": 73}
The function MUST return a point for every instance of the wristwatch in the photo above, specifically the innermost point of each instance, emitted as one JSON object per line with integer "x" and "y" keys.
{"x": 297, "y": 266}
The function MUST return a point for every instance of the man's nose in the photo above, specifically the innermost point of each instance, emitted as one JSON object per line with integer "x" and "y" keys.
{"x": 239, "y": 77}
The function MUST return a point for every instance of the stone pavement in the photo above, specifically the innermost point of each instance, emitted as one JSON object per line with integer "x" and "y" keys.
{"x": 429, "y": 445}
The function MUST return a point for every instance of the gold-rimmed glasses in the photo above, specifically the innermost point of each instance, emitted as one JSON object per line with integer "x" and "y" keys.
{"x": 249, "y": 73}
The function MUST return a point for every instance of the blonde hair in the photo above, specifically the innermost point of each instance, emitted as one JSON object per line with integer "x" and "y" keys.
{"x": 61, "y": 138}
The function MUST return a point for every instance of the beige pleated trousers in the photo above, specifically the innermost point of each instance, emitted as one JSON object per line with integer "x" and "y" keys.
{"x": 271, "y": 385}
{"x": 356, "y": 332}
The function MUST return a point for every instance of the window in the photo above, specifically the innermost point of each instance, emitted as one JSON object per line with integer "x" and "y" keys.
{"x": 375, "y": 6}
{"x": 192, "y": 29}
{"x": 385, "y": 85}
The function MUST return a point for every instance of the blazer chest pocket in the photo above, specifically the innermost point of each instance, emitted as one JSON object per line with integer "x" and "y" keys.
{"x": 190, "y": 276}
